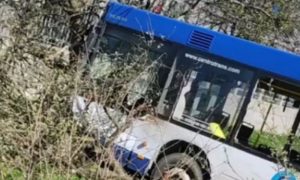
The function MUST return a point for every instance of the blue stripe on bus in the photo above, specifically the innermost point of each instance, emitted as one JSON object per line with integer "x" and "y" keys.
{"x": 270, "y": 60}
{"x": 122, "y": 155}
{"x": 138, "y": 165}
{"x": 129, "y": 160}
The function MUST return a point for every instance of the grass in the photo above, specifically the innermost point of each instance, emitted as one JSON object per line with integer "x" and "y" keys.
{"x": 11, "y": 173}
{"x": 274, "y": 141}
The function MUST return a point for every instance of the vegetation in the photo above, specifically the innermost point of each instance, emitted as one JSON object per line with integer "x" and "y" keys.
{"x": 275, "y": 141}
{"x": 40, "y": 73}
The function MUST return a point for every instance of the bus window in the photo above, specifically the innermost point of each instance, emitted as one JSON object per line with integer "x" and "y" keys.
{"x": 271, "y": 116}
{"x": 206, "y": 91}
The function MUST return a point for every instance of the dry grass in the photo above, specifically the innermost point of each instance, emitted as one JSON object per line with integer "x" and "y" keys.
{"x": 39, "y": 138}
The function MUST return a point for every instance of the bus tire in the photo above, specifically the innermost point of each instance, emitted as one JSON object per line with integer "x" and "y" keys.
{"x": 178, "y": 166}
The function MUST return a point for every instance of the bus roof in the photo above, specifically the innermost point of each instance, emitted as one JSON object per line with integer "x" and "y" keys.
{"x": 267, "y": 59}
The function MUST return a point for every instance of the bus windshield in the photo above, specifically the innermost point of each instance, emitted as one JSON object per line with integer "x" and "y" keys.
{"x": 136, "y": 63}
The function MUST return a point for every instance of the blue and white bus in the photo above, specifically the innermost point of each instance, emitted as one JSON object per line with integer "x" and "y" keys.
{"x": 228, "y": 108}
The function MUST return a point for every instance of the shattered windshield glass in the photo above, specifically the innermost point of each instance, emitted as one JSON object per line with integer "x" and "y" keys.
{"x": 138, "y": 87}
{"x": 134, "y": 64}
{"x": 102, "y": 66}
{"x": 111, "y": 50}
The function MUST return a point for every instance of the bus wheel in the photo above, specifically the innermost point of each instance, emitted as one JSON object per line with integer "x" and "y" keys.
{"x": 177, "y": 166}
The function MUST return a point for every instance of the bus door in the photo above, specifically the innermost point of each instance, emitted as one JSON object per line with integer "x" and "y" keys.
{"x": 207, "y": 90}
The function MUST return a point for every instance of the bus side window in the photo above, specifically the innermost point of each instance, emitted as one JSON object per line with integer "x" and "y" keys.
{"x": 272, "y": 114}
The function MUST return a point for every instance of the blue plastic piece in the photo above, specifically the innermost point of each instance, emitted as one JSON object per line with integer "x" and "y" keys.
{"x": 284, "y": 175}
{"x": 266, "y": 59}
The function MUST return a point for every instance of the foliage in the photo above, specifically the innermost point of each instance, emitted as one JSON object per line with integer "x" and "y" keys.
{"x": 272, "y": 22}
{"x": 39, "y": 138}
